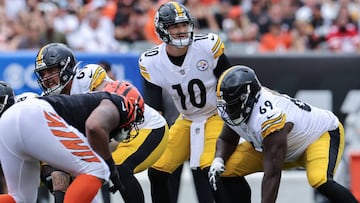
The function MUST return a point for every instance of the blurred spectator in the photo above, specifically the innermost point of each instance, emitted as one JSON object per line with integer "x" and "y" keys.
{"x": 205, "y": 18}
{"x": 320, "y": 28}
{"x": 276, "y": 40}
{"x": 343, "y": 35}
{"x": 238, "y": 28}
{"x": 329, "y": 9}
{"x": 110, "y": 8}
{"x": 301, "y": 35}
{"x": 149, "y": 28}
{"x": 28, "y": 24}
{"x": 9, "y": 29}
{"x": 288, "y": 9}
{"x": 107, "y": 66}
{"x": 13, "y": 7}
{"x": 65, "y": 19}
{"x": 95, "y": 34}
{"x": 50, "y": 34}
{"x": 276, "y": 14}
{"x": 32, "y": 39}
{"x": 258, "y": 15}
{"x": 304, "y": 13}
{"x": 129, "y": 21}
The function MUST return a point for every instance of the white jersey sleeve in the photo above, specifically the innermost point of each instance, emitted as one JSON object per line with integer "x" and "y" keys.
{"x": 191, "y": 85}
{"x": 88, "y": 79}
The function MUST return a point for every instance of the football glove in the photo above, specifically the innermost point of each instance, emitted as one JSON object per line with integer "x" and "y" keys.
{"x": 216, "y": 169}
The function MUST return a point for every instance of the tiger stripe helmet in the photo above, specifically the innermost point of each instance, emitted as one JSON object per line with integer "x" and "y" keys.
{"x": 131, "y": 93}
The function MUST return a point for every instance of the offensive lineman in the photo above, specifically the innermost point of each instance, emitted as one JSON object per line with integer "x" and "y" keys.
{"x": 186, "y": 65}
{"x": 280, "y": 132}
{"x": 57, "y": 137}
{"x": 132, "y": 155}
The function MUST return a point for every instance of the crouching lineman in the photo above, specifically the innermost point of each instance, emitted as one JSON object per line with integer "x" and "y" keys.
{"x": 51, "y": 129}
{"x": 131, "y": 156}
{"x": 280, "y": 132}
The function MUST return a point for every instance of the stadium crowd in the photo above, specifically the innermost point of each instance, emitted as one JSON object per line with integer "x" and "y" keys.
{"x": 117, "y": 25}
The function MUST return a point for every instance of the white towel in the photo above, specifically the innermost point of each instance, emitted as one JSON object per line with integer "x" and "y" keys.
{"x": 197, "y": 132}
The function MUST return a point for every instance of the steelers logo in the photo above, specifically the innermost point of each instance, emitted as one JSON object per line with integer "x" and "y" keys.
{"x": 202, "y": 65}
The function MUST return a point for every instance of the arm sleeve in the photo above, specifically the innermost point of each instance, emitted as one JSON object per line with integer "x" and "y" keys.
{"x": 153, "y": 95}
{"x": 222, "y": 65}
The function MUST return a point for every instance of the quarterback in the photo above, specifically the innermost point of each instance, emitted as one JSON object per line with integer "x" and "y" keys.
{"x": 280, "y": 132}
{"x": 187, "y": 66}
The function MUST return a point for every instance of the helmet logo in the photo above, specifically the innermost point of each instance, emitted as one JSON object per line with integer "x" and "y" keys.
{"x": 202, "y": 65}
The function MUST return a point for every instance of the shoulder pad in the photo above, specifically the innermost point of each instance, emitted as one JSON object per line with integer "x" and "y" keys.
{"x": 91, "y": 76}
{"x": 211, "y": 42}
{"x": 26, "y": 95}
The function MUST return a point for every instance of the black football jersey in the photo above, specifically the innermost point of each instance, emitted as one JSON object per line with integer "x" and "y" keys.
{"x": 75, "y": 109}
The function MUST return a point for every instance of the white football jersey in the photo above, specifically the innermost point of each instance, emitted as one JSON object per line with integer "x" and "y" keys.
{"x": 273, "y": 110}
{"x": 92, "y": 76}
{"x": 88, "y": 79}
{"x": 191, "y": 85}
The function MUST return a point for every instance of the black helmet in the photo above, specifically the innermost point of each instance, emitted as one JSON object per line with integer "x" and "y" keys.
{"x": 172, "y": 13}
{"x": 55, "y": 55}
{"x": 7, "y": 97}
{"x": 237, "y": 91}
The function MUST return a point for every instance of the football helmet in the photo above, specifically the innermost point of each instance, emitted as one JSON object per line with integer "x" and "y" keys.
{"x": 7, "y": 97}
{"x": 131, "y": 93}
{"x": 237, "y": 91}
{"x": 55, "y": 55}
{"x": 172, "y": 13}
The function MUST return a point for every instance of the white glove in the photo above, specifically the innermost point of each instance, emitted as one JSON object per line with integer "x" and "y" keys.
{"x": 216, "y": 169}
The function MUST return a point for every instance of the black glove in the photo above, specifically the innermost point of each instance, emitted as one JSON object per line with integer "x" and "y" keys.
{"x": 114, "y": 176}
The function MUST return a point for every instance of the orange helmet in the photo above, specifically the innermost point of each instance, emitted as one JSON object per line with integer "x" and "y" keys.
{"x": 131, "y": 93}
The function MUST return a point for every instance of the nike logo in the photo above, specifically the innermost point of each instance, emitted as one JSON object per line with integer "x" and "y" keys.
{"x": 123, "y": 106}
{"x": 91, "y": 74}
{"x": 268, "y": 117}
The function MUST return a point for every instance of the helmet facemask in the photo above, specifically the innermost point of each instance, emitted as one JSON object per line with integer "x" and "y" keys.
{"x": 7, "y": 97}
{"x": 237, "y": 110}
{"x": 133, "y": 96}
{"x": 3, "y": 102}
{"x": 65, "y": 75}
{"x": 179, "y": 41}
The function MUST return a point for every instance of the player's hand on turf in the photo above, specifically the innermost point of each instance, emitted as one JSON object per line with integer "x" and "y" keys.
{"x": 114, "y": 176}
{"x": 216, "y": 169}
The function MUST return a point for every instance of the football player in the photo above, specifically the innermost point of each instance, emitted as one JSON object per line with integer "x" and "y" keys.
{"x": 280, "y": 132}
{"x": 57, "y": 138}
{"x": 131, "y": 155}
{"x": 187, "y": 66}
